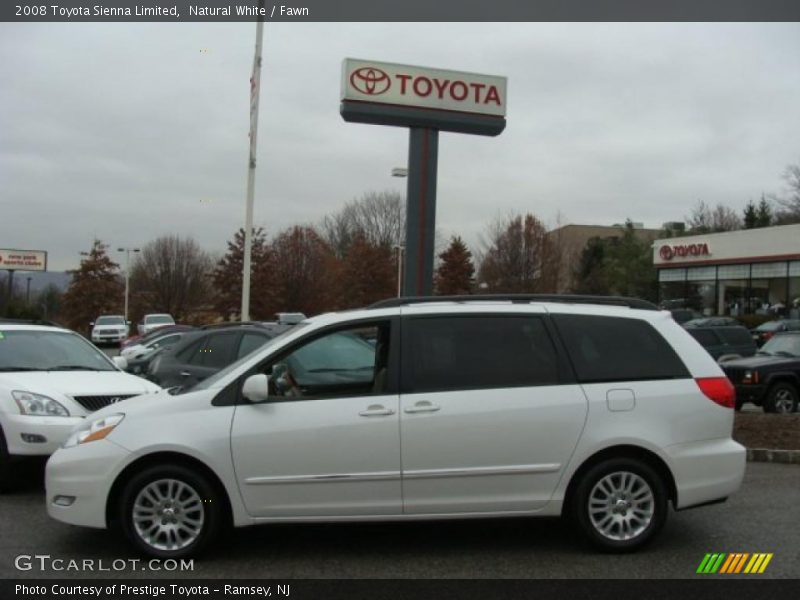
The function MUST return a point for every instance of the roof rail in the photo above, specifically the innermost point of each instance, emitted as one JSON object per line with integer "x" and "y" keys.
{"x": 520, "y": 299}
{"x": 6, "y": 321}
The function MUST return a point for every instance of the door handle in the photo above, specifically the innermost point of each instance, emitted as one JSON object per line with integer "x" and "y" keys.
{"x": 376, "y": 410}
{"x": 422, "y": 407}
{"x": 185, "y": 374}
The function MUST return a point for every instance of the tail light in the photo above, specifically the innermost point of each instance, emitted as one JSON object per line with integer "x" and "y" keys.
{"x": 766, "y": 336}
{"x": 718, "y": 389}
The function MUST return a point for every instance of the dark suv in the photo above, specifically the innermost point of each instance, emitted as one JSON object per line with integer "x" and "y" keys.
{"x": 771, "y": 378}
{"x": 725, "y": 342}
{"x": 204, "y": 352}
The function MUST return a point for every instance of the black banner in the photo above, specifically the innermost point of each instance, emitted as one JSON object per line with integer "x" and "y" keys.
{"x": 398, "y": 10}
{"x": 388, "y": 589}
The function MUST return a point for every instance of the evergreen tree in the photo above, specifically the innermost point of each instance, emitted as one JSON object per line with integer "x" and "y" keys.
{"x": 750, "y": 217}
{"x": 763, "y": 213}
{"x": 96, "y": 289}
{"x": 455, "y": 273}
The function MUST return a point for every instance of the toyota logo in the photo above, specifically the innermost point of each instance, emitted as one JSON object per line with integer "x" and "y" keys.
{"x": 666, "y": 252}
{"x": 370, "y": 81}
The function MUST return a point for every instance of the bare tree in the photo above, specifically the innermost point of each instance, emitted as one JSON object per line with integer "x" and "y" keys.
{"x": 379, "y": 217}
{"x": 518, "y": 257}
{"x": 789, "y": 211}
{"x": 171, "y": 275}
{"x": 705, "y": 219}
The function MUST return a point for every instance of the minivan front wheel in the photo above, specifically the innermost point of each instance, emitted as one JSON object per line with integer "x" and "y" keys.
{"x": 170, "y": 511}
{"x": 620, "y": 504}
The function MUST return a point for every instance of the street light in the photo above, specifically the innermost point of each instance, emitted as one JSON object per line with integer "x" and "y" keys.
{"x": 399, "y": 172}
{"x": 127, "y": 252}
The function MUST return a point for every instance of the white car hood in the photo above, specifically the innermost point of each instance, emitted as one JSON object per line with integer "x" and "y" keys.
{"x": 77, "y": 383}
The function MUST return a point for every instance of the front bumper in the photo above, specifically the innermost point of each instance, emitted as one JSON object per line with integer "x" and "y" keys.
{"x": 750, "y": 393}
{"x": 54, "y": 430}
{"x": 706, "y": 471}
{"x": 84, "y": 475}
{"x": 99, "y": 338}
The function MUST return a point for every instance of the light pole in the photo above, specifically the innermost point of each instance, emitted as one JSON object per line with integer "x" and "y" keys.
{"x": 399, "y": 172}
{"x": 28, "y": 291}
{"x": 399, "y": 249}
{"x": 127, "y": 252}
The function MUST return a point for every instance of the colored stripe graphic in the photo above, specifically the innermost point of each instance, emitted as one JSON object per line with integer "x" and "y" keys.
{"x": 734, "y": 562}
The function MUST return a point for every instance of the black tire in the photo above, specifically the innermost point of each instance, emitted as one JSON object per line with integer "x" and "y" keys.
{"x": 178, "y": 544}
{"x": 649, "y": 518}
{"x": 782, "y": 397}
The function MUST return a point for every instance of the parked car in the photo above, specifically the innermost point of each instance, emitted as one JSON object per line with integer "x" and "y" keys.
{"x": 771, "y": 379}
{"x": 50, "y": 380}
{"x": 682, "y": 315}
{"x": 144, "y": 339}
{"x": 289, "y": 318}
{"x": 154, "y": 321}
{"x": 725, "y": 342}
{"x": 109, "y": 329}
{"x": 604, "y": 410}
{"x": 204, "y": 352}
{"x": 764, "y": 332}
{"x": 711, "y": 322}
{"x": 159, "y": 339}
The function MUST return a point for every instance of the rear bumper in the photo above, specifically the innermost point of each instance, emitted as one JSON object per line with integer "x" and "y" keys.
{"x": 706, "y": 471}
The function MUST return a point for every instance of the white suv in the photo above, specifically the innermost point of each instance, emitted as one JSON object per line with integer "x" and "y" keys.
{"x": 50, "y": 380}
{"x": 109, "y": 328}
{"x": 154, "y": 321}
{"x": 604, "y": 410}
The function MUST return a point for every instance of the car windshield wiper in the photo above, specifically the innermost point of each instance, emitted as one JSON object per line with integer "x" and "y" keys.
{"x": 785, "y": 353}
{"x": 12, "y": 369}
{"x": 73, "y": 368}
{"x": 763, "y": 353}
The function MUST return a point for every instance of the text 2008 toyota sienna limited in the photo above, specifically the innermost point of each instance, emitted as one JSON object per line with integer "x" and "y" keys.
{"x": 604, "y": 410}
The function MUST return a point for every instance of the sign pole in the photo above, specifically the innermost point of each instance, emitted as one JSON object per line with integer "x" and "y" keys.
{"x": 423, "y": 151}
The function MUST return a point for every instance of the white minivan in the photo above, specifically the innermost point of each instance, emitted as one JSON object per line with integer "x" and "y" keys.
{"x": 601, "y": 409}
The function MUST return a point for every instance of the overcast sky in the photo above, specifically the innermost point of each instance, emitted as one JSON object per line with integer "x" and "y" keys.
{"x": 130, "y": 131}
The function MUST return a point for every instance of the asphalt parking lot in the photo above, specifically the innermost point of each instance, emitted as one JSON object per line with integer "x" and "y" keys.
{"x": 763, "y": 517}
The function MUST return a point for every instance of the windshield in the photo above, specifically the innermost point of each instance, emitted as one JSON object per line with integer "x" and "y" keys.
{"x": 783, "y": 344}
{"x": 211, "y": 381}
{"x": 156, "y": 319}
{"x": 110, "y": 321}
{"x": 49, "y": 351}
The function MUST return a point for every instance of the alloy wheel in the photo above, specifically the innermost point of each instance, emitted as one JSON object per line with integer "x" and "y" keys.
{"x": 621, "y": 506}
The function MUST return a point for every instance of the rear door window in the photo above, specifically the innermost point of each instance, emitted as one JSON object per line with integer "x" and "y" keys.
{"x": 446, "y": 353}
{"x": 617, "y": 349}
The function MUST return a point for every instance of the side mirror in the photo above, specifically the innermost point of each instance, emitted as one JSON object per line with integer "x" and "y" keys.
{"x": 121, "y": 362}
{"x": 256, "y": 388}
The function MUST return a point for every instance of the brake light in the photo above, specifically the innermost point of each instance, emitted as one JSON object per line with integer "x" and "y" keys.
{"x": 766, "y": 336}
{"x": 718, "y": 389}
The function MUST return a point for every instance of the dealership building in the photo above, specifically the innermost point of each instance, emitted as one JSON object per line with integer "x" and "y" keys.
{"x": 753, "y": 271}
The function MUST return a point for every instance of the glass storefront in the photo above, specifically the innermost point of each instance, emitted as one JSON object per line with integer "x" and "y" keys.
{"x": 770, "y": 288}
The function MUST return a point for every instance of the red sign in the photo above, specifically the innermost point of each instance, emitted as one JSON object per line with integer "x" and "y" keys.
{"x": 683, "y": 251}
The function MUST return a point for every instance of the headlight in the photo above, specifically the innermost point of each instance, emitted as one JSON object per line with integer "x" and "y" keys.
{"x": 94, "y": 430}
{"x": 37, "y": 405}
{"x": 750, "y": 377}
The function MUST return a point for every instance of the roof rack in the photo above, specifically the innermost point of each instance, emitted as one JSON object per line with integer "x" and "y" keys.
{"x": 520, "y": 299}
{"x": 6, "y": 321}
{"x": 224, "y": 324}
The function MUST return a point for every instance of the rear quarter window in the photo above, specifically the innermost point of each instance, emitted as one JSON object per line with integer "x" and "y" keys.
{"x": 736, "y": 335}
{"x": 604, "y": 349}
{"x": 706, "y": 337}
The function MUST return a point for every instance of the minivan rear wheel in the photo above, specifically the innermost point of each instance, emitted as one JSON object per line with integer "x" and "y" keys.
{"x": 620, "y": 504}
{"x": 170, "y": 511}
